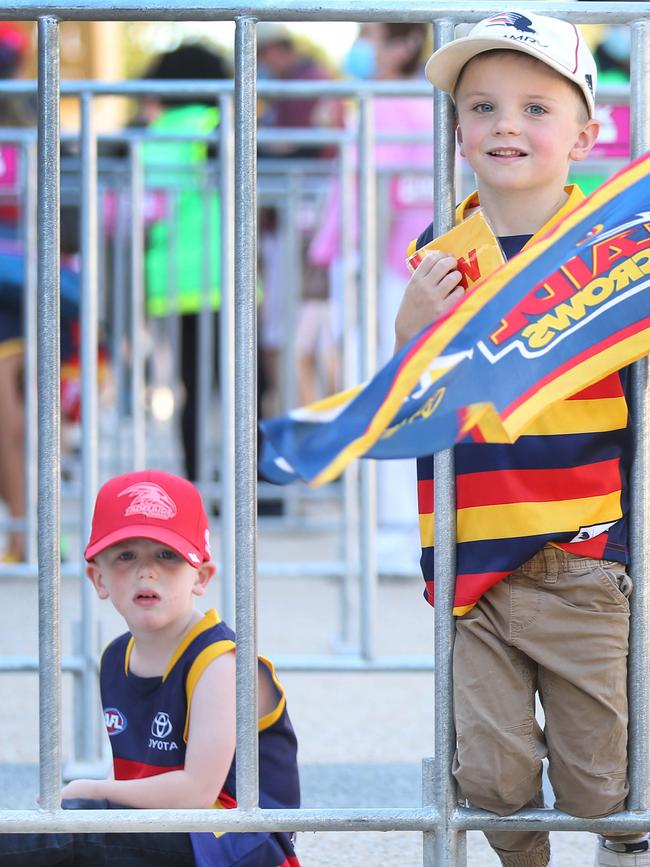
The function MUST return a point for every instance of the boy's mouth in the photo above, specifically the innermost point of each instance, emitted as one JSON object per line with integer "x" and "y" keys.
{"x": 146, "y": 597}
{"x": 507, "y": 152}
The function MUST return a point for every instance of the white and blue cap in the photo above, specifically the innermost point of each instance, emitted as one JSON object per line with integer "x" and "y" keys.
{"x": 557, "y": 43}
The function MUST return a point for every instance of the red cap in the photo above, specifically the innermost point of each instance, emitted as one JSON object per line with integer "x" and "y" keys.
{"x": 151, "y": 504}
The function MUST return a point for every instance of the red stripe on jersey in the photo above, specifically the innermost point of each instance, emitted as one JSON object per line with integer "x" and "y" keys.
{"x": 227, "y": 801}
{"x": 604, "y": 388}
{"x": 594, "y": 548}
{"x": 498, "y": 487}
{"x": 125, "y": 769}
{"x": 469, "y": 587}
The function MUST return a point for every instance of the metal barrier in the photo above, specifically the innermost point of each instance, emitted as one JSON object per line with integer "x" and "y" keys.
{"x": 441, "y": 820}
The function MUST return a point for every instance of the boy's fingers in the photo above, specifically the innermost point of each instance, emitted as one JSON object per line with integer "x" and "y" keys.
{"x": 430, "y": 260}
{"x": 453, "y": 298}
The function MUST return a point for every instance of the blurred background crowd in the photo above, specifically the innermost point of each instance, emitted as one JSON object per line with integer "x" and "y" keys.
{"x": 308, "y": 263}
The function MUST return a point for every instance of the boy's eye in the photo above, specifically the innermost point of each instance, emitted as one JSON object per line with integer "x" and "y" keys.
{"x": 168, "y": 554}
{"x": 482, "y": 107}
{"x": 125, "y": 555}
{"x": 536, "y": 109}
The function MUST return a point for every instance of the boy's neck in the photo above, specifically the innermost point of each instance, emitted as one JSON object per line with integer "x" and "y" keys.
{"x": 152, "y": 650}
{"x": 517, "y": 212}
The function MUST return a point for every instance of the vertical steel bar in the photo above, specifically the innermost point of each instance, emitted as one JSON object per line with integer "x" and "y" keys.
{"x": 638, "y": 676}
{"x": 350, "y": 316}
{"x": 89, "y": 411}
{"x": 205, "y": 343}
{"x": 368, "y": 320}
{"x": 136, "y": 343}
{"x": 29, "y": 324}
{"x": 245, "y": 408}
{"x": 428, "y": 800}
{"x": 119, "y": 323}
{"x": 49, "y": 416}
{"x": 226, "y": 355}
{"x": 448, "y": 852}
{"x": 292, "y": 266}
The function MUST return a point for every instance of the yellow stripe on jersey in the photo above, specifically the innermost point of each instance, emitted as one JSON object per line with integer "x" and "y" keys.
{"x": 205, "y": 657}
{"x": 274, "y": 715}
{"x": 209, "y": 619}
{"x": 512, "y": 520}
{"x": 580, "y": 416}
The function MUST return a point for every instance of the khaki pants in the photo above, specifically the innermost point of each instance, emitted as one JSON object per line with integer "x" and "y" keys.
{"x": 557, "y": 626}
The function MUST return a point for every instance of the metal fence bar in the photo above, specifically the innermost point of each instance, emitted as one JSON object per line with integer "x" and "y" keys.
{"x": 245, "y": 409}
{"x": 582, "y": 11}
{"x": 638, "y": 676}
{"x": 49, "y": 414}
{"x": 136, "y": 348}
{"x": 226, "y": 354}
{"x": 89, "y": 415}
{"x": 203, "y": 433}
{"x": 30, "y": 329}
{"x": 349, "y": 377}
{"x": 367, "y": 216}
{"x": 448, "y": 846}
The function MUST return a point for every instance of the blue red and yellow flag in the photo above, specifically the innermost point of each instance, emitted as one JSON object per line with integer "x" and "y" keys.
{"x": 568, "y": 310}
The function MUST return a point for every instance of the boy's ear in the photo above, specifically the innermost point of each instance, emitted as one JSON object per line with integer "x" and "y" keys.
{"x": 459, "y": 138}
{"x": 204, "y": 575}
{"x": 585, "y": 141}
{"x": 95, "y": 577}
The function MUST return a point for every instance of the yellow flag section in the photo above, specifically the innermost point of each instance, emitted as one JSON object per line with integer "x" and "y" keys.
{"x": 472, "y": 243}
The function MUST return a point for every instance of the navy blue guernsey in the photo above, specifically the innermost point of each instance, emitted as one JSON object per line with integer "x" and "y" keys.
{"x": 563, "y": 482}
{"x": 147, "y": 720}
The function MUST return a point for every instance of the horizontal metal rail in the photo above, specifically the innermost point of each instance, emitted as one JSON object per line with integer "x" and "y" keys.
{"x": 356, "y": 819}
{"x": 588, "y": 12}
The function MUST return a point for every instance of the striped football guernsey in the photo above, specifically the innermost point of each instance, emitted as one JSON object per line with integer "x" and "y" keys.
{"x": 147, "y": 720}
{"x": 563, "y": 482}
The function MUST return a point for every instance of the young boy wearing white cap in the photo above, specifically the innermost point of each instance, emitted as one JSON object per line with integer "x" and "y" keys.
{"x": 168, "y": 694}
{"x": 541, "y": 585}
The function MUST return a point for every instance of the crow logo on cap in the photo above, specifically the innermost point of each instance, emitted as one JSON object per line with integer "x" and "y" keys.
{"x": 150, "y": 500}
{"x": 512, "y": 19}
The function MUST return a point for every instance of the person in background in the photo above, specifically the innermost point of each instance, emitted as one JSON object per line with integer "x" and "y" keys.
{"x": 390, "y": 52}
{"x": 175, "y": 256}
{"x": 282, "y": 59}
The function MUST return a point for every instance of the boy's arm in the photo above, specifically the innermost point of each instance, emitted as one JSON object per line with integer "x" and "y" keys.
{"x": 431, "y": 291}
{"x": 209, "y": 753}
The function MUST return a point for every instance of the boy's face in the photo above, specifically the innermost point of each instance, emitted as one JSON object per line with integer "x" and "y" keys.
{"x": 520, "y": 123}
{"x": 149, "y": 584}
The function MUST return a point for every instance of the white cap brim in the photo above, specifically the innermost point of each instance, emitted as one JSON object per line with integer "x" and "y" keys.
{"x": 444, "y": 67}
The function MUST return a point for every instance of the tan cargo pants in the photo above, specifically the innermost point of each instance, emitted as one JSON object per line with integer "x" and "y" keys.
{"x": 558, "y": 626}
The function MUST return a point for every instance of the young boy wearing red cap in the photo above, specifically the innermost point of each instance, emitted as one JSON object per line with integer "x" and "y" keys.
{"x": 168, "y": 691}
{"x": 541, "y": 585}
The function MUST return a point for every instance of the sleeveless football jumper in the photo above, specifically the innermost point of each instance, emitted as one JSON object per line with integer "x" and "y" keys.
{"x": 147, "y": 720}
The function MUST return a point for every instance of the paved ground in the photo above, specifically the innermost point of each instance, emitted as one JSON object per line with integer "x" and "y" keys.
{"x": 362, "y": 735}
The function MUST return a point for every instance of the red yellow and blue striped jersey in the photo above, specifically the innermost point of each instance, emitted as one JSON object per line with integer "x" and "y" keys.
{"x": 147, "y": 720}
{"x": 564, "y": 481}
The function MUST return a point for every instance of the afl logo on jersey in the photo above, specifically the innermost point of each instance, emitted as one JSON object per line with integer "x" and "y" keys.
{"x": 115, "y": 721}
{"x": 161, "y": 725}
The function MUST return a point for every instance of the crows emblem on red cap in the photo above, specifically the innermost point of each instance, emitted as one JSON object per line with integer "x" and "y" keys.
{"x": 150, "y": 500}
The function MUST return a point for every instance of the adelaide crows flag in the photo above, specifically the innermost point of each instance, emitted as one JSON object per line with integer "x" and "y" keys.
{"x": 568, "y": 310}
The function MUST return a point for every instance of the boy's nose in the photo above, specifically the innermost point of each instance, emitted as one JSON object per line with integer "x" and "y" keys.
{"x": 505, "y": 124}
{"x": 147, "y": 568}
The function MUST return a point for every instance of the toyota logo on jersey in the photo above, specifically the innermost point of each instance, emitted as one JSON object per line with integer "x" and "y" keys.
{"x": 114, "y": 720}
{"x": 161, "y": 726}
